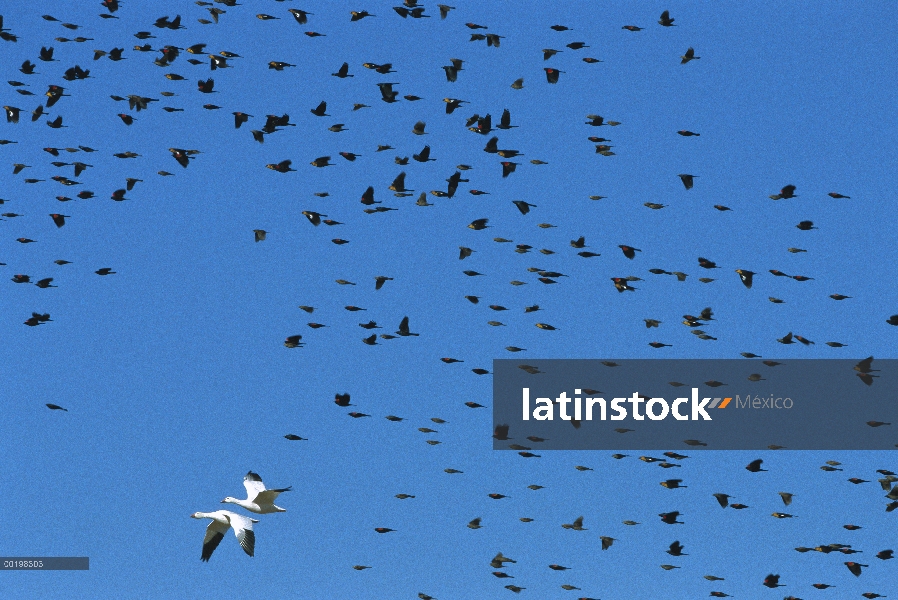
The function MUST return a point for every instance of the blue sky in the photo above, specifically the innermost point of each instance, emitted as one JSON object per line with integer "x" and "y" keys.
{"x": 174, "y": 373}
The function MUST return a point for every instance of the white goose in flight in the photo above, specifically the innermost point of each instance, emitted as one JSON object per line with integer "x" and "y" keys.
{"x": 222, "y": 520}
{"x": 259, "y": 500}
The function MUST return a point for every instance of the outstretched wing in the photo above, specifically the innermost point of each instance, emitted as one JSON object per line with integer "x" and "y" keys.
{"x": 254, "y": 486}
{"x": 268, "y": 496}
{"x": 243, "y": 529}
{"x": 214, "y": 534}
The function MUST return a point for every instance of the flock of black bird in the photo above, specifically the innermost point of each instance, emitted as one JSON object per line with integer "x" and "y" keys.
{"x": 163, "y": 48}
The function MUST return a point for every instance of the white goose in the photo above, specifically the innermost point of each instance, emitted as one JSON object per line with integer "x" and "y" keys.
{"x": 222, "y": 520}
{"x": 259, "y": 500}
